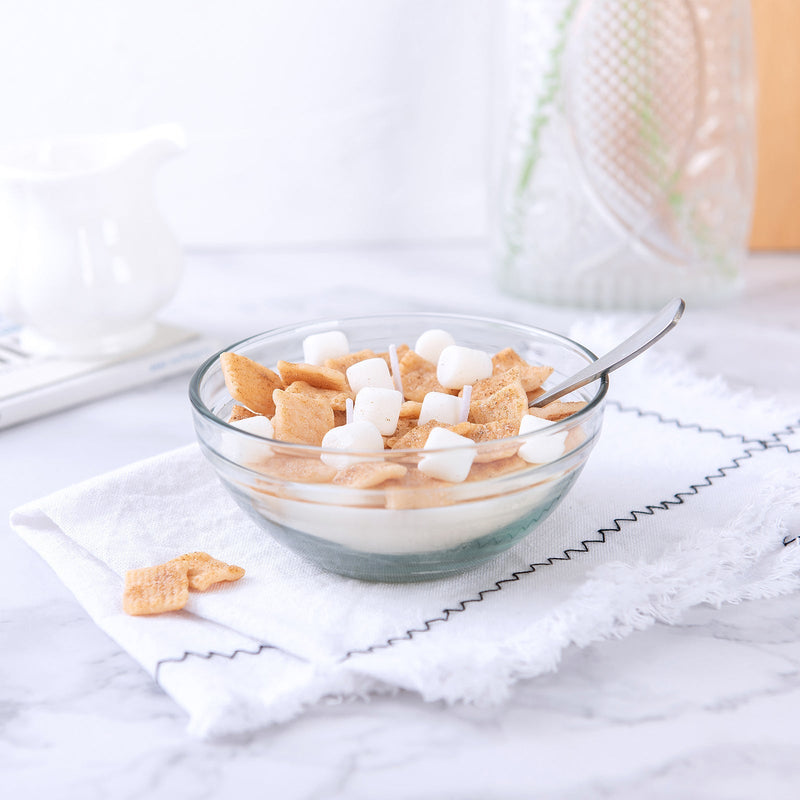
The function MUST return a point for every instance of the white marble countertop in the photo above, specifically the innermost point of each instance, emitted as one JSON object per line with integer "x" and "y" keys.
{"x": 707, "y": 708}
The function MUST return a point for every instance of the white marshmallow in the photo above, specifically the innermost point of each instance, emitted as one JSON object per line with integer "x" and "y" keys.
{"x": 541, "y": 449}
{"x": 355, "y": 437}
{"x": 431, "y": 343}
{"x": 458, "y": 366}
{"x": 370, "y": 372}
{"x": 440, "y": 406}
{"x": 452, "y": 465}
{"x": 379, "y": 406}
{"x": 244, "y": 450}
{"x": 318, "y": 347}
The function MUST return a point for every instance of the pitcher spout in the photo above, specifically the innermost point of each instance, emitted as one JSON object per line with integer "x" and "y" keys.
{"x": 158, "y": 142}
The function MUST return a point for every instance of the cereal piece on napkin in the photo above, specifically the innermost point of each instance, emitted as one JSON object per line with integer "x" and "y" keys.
{"x": 154, "y": 590}
{"x": 321, "y": 377}
{"x": 301, "y": 418}
{"x": 250, "y": 383}
{"x": 368, "y": 474}
{"x": 204, "y": 571}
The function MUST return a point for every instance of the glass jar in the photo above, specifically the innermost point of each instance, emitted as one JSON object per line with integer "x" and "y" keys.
{"x": 628, "y": 161}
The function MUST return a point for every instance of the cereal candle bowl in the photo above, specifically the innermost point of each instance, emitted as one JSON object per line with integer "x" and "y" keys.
{"x": 397, "y": 447}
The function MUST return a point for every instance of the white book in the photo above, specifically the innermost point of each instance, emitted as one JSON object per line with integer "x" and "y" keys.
{"x": 33, "y": 385}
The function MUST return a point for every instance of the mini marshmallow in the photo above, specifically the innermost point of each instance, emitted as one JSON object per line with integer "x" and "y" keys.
{"x": 542, "y": 449}
{"x": 440, "y": 406}
{"x": 356, "y": 437}
{"x": 379, "y": 406}
{"x": 318, "y": 347}
{"x": 451, "y": 465}
{"x": 431, "y": 343}
{"x": 245, "y": 450}
{"x": 370, "y": 372}
{"x": 458, "y": 366}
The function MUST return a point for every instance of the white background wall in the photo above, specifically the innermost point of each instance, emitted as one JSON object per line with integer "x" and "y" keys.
{"x": 309, "y": 121}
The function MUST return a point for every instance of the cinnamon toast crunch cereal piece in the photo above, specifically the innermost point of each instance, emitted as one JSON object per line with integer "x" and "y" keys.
{"x": 557, "y": 410}
{"x": 419, "y": 377}
{"x": 343, "y": 362}
{"x": 403, "y": 427}
{"x": 416, "y": 436}
{"x": 532, "y": 376}
{"x": 418, "y": 490}
{"x": 486, "y": 387}
{"x": 368, "y": 474}
{"x": 250, "y": 383}
{"x": 240, "y": 412}
{"x": 154, "y": 590}
{"x": 509, "y": 404}
{"x": 321, "y": 377}
{"x": 301, "y": 418}
{"x": 334, "y": 397}
{"x": 297, "y": 469}
{"x": 410, "y": 409}
{"x": 204, "y": 571}
{"x": 484, "y": 470}
{"x": 490, "y": 432}
{"x": 575, "y": 437}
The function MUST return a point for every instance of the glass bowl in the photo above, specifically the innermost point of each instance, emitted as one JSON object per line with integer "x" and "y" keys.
{"x": 413, "y": 527}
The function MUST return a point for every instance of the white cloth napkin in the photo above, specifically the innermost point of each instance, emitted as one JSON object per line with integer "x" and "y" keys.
{"x": 691, "y": 496}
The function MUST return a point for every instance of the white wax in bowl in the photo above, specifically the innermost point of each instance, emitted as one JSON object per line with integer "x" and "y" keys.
{"x": 405, "y": 531}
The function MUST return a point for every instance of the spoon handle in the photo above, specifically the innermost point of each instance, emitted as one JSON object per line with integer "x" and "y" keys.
{"x": 663, "y": 322}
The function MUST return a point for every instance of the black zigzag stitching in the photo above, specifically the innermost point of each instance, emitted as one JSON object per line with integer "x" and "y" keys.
{"x": 757, "y": 445}
{"x": 789, "y": 430}
{"x": 208, "y": 655}
{"x": 752, "y": 446}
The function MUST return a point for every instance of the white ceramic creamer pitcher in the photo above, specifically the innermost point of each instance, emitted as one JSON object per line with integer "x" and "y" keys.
{"x": 85, "y": 258}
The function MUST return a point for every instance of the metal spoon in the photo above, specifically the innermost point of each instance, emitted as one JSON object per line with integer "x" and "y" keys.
{"x": 647, "y": 335}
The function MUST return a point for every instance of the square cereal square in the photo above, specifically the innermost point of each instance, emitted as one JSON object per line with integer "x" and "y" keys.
{"x": 154, "y": 590}
{"x": 509, "y": 404}
{"x": 300, "y": 418}
{"x": 250, "y": 383}
{"x": 336, "y": 398}
{"x": 368, "y": 474}
{"x": 342, "y": 363}
{"x": 321, "y": 377}
{"x": 204, "y": 571}
{"x": 419, "y": 377}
